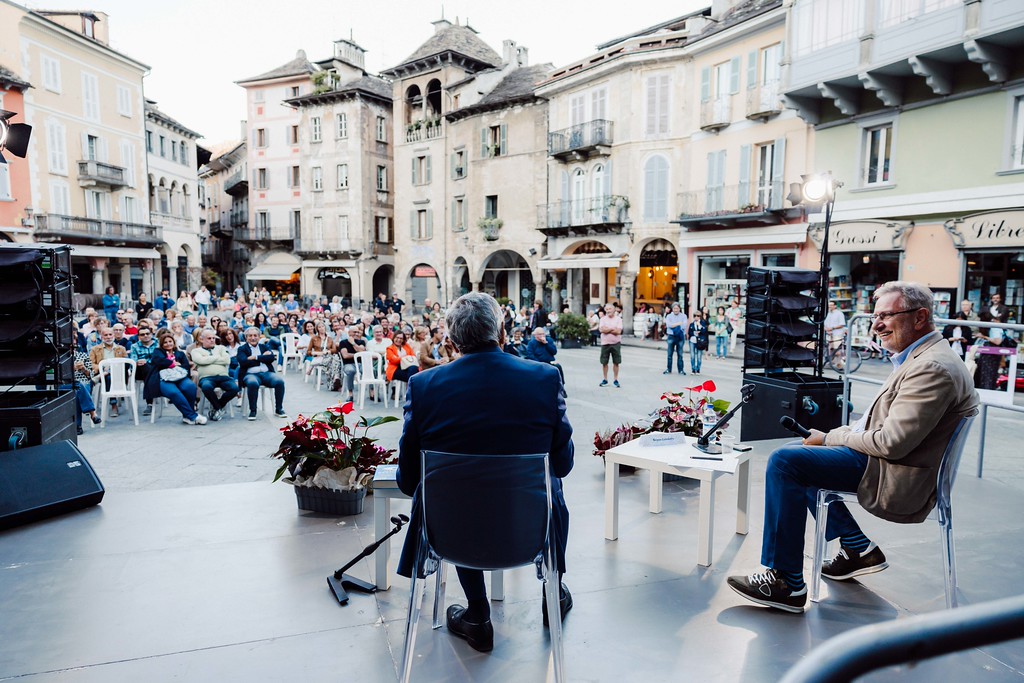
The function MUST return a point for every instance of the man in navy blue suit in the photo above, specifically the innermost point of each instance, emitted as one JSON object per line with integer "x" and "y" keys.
{"x": 461, "y": 407}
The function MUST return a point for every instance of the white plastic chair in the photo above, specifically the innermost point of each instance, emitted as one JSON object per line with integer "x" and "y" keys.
{"x": 948, "y": 467}
{"x": 121, "y": 372}
{"x": 370, "y": 373}
{"x": 204, "y": 403}
{"x": 397, "y": 389}
{"x": 290, "y": 351}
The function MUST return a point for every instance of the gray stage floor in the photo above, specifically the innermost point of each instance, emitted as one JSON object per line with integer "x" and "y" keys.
{"x": 227, "y": 583}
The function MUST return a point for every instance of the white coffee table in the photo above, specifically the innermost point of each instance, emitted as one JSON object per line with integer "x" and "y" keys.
{"x": 678, "y": 460}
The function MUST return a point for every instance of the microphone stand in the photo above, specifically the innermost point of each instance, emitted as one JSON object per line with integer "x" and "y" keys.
{"x": 703, "y": 443}
{"x": 339, "y": 581}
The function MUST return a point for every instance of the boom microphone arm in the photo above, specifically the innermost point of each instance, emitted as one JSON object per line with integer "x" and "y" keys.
{"x": 703, "y": 443}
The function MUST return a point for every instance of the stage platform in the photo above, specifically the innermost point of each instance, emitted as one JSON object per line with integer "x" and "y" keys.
{"x": 228, "y": 583}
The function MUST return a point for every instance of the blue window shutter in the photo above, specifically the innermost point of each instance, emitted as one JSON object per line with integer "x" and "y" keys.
{"x": 453, "y": 214}
{"x": 778, "y": 173}
{"x": 734, "y": 75}
{"x": 608, "y": 178}
{"x": 705, "y": 84}
{"x": 503, "y": 146}
{"x": 483, "y": 142}
{"x": 453, "y": 164}
{"x": 743, "y": 196}
{"x": 415, "y": 173}
{"x": 427, "y": 179}
{"x": 752, "y": 70}
{"x": 430, "y": 223}
{"x": 709, "y": 195}
{"x": 412, "y": 224}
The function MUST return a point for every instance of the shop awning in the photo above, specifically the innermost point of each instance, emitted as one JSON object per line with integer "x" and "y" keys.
{"x": 581, "y": 261}
{"x": 113, "y": 252}
{"x": 277, "y": 266}
{"x": 795, "y": 233}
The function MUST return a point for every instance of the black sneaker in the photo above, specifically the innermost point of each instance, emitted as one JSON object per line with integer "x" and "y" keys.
{"x": 847, "y": 564}
{"x": 768, "y": 588}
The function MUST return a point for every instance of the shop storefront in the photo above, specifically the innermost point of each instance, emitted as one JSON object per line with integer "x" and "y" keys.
{"x": 991, "y": 247}
{"x": 656, "y": 279}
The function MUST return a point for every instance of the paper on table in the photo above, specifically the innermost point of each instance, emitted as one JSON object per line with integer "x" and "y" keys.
{"x": 681, "y": 456}
{"x": 386, "y": 477}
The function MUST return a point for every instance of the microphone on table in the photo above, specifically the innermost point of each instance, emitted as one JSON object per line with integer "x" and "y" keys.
{"x": 792, "y": 425}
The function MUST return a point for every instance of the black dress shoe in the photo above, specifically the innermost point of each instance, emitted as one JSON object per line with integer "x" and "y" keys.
{"x": 479, "y": 636}
{"x": 564, "y": 603}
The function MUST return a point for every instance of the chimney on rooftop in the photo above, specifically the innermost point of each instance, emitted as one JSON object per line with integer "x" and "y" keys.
{"x": 508, "y": 51}
{"x": 523, "y": 55}
{"x": 440, "y": 25}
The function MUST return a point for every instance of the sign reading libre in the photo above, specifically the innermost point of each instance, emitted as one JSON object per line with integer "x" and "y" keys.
{"x": 990, "y": 229}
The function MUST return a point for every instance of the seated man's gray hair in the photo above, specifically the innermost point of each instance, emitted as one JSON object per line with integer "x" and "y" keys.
{"x": 913, "y": 294}
{"x": 474, "y": 321}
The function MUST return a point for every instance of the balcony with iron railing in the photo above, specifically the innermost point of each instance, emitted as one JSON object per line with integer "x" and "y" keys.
{"x": 239, "y": 254}
{"x": 237, "y": 185}
{"x": 52, "y": 225}
{"x": 582, "y": 140}
{"x": 238, "y": 219}
{"x": 210, "y": 250}
{"x": 423, "y": 130}
{"x": 602, "y": 214}
{"x": 92, "y": 173}
{"x": 763, "y": 102}
{"x": 328, "y": 246}
{"x": 735, "y": 204}
{"x": 716, "y": 114}
{"x": 284, "y": 233}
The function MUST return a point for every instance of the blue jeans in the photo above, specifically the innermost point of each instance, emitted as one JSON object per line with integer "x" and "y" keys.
{"x": 722, "y": 345}
{"x": 83, "y": 399}
{"x": 794, "y": 475}
{"x": 182, "y": 394}
{"x": 203, "y": 308}
{"x": 696, "y": 356}
{"x": 675, "y": 344}
{"x": 226, "y": 384}
{"x": 253, "y": 381}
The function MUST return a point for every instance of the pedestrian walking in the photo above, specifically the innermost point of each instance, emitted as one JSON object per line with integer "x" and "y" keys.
{"x": 611, "y": 344}
{"x": 698, "y": 336}
{"x": 675, "y": 335}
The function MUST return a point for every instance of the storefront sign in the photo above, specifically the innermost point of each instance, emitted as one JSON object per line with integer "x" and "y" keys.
{"x": 857, "y": 236}
{"x": 332, "y": 273}
{"x": 989, "y": 229}
{"x": 424, "y": 271}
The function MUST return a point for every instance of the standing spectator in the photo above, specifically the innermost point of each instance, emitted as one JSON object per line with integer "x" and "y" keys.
{"x": 142, "y": 353}
{"x": 396, "y": 303}
{"x": 595, "y": 323}
{"x": 611, "y": 344}
{"x": 835, "y": 326}
{"x": 955, "y": 334}
{"x": 164, "y": 301}
{"x": 675, "y": 335}
{"x": 381, "y": 303}
{"x": 239, "y": 293}
{"x": 538, "y": 318}
{"x": 967, "y": 308}
{"x": 722, "y": 330}
{"x": 291, "y": 305}
{"x": 734, "y": 313}
{"x": 256, "y": 368}
{"x": 203, "y": 300}
{"x": 142, "y": 306}
{"x": 172, "y": 375}
{"x": 212, "y": 365}
{"x": 111, "y": 304}
{"x": 697, "y": 333}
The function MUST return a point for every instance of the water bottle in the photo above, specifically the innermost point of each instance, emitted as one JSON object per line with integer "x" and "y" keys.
{"x": 709, "y": 418}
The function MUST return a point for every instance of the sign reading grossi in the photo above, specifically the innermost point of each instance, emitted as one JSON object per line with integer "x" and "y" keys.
{"x": 856, "y": 236}
{"x": 989, "y": 229}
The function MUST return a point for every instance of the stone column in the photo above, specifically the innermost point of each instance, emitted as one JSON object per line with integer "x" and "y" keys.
{"x": 172, "y": 279}
{"x": 474, "y": 285}
{"x": 556, "y": 293}
{"x": 625, "y": 284}
{"x": 99, "y": 274}
{"x": 126, "y": 281}
{"x": 148, "y": 285}
{"x": 158, "y": 278}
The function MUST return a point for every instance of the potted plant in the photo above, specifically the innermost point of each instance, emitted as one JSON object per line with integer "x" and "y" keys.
{"x": 572, "y": 330}
{"x": 330, "y": 463}
{"x": 490, "y": 227}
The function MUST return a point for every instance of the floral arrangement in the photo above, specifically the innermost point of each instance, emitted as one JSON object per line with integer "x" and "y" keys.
{"x": 323, "y": 452}
{"x": 683, "y": 413}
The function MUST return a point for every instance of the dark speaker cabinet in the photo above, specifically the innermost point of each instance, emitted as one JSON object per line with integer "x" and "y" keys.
{"x": 812, "y": 401}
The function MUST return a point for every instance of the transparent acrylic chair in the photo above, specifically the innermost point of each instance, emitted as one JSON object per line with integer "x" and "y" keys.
{"x": 510, "y": 525}
{"x": 948, "y": 467}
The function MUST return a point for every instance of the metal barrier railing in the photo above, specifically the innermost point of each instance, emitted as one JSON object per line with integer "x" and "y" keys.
{"x": 939, "y": 324}
{"x": 868, "y": 648}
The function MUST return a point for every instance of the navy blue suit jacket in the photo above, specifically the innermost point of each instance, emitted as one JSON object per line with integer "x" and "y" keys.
{"x": 489, "y": 403}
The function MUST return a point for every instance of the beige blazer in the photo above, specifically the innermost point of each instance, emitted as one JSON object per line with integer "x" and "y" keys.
{"x": 908, "y": 427}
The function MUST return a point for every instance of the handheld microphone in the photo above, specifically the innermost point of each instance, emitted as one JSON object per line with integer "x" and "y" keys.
{"x": 792, "y": 425}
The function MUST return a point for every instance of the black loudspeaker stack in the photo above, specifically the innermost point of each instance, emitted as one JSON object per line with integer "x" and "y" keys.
{"x": 783, "y": 335}
{"x": 37, "y": 342}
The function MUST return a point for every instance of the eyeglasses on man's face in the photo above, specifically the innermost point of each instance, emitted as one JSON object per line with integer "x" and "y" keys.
{"x": 884, "y": 317}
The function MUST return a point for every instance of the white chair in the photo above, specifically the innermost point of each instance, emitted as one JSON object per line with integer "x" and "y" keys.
{"x": 397, "y": 389}
{"x": 121, "y": 372}
{"x": 204, "y": 404}
{"x": 370, "y": 373}
{"x": 945, "y": 478}
{"x": 290, "y": 351}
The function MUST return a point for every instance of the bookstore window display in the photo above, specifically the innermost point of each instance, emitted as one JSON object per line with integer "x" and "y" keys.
{"x": 991, "y": 273}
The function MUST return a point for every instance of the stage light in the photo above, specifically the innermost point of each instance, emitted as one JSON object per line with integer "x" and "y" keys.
{"x": 814, "y": 190}
{"x": 14, "y": 137}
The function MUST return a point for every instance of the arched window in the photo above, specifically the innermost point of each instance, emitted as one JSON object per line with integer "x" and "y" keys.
{"x": 186, "y": 202}
{"x": 579, "y": 196}
{"x": 656, "y": 189}
{"x": 597, "y": 182}
{"x": 433, "y": 108}
{"x": 413, "y": 104}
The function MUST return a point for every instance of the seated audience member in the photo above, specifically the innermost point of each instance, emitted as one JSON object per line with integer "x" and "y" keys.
{"x": 320, "y": 349}
{"x": 212, "y": 363}
{"x": 418, "y": 339}
{"x": 434, "y": 352}
{"x": 171, "y": 376}
{"x": 142, "y": 352}
{"x": 104, "y": 350}
{"x": 178, "y": 333}
{"x": 890, "y": 456}
{"x": 344, "y": 371}
{"x": 82, "y": 387}
{"x": 402, "y": 362}
{"x": 256, "y": 368}
{"x": 378, "y": 343}
{"x": 229, "y": 339}
{"x": 119, "y": 336}
{"x": 543, "y": 350}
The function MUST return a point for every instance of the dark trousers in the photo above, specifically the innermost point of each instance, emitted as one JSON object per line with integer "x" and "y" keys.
{"x": 794, "y": 475}
{"x": 228, "y": 387}
{"x": 675, "y": 345}
{"x": 252, "y": 382}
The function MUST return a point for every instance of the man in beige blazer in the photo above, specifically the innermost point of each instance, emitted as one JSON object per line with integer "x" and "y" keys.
{"x": 890, "y": 457}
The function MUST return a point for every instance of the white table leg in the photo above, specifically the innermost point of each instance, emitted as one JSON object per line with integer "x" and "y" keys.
{"x": 743, "y": 497}
{"x": 381, "y": 515}
{"x": 498, "y": 585}
{"x": 705, "y": 521}
{"x": 611, "y": 500}
{"x": 656, "y": 492}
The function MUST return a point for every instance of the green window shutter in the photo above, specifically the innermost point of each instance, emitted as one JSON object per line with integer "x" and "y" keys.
{"x": 430, "y": 223}
{"x": 412, "y": 224}
{"x": 503, "y": 147}
{"x": 734, "y": 75}
{"x": 752, "y": 70}
{"x": 453, "y": 215}
{"x": 778, "y": 173}
{"x": 743, "y": 196}
{"x": 483, "y": 143}
{"x": 453, "y": 164}
{"x": 415, "y": 172}
{"x": 427, "y": 180}
{"x": 705, "y": 84}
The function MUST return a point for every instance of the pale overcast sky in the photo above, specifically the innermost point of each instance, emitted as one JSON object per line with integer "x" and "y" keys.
{"x": 197, "y": 49}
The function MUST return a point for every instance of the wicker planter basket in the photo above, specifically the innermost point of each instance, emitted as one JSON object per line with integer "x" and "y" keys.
{"x": 329, "y": 501}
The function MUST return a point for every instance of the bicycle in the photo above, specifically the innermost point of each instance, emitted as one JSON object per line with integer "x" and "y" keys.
{"x": 838, "y": 360}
